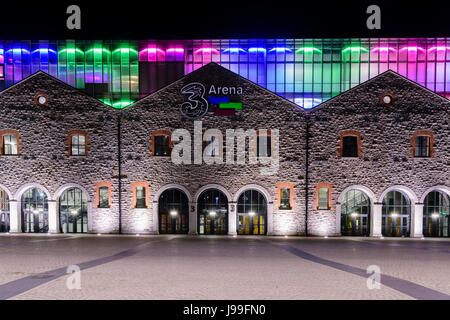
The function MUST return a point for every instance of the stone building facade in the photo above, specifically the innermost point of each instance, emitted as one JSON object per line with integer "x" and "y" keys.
{"x": 302, "y": 188}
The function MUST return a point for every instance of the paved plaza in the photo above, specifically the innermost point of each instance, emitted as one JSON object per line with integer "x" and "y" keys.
{"x": 222, "y": 267}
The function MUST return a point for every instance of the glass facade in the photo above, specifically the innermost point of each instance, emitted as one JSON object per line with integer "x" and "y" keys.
{"x": 355, "y": 214}
{"x": 436, "y": 215}
{"x": 212, "y": 210}
{"x": 73, "y": 211}
{"x": 173, "y": 210}
{"x": 396, "y": 215}
{"x": 251, "y": 213}
{"x": 34, "y": 211}
{"x": 305, "y": 71}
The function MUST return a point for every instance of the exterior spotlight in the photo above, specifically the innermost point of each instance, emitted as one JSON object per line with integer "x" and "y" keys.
{"x": 251, "y": 213}
{"x": 435, "y": 215}
{"x": 74, "y": 212}
{"x": 354, "y": 214}
{"x": 173, "y": 213}
{"x": 394, "y": 215}
{"x": 212, "y": 213}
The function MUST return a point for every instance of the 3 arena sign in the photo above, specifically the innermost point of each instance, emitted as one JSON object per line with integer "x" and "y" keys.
{"x": 199, "y": 99}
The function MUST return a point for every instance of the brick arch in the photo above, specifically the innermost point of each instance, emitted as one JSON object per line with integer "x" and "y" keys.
{"x": 369, "y": 193}
{"x": 440, "y": 188}
{"x": 67, "y": 186}
{"x": 172, "y": 186}
{"x": 256, "y": 187}
{"x": 213, "y": 186}
{"x": 18, "y": 137}
{"x": 410, "y": 194}
{"x": 6, "y": 190}
{"x": 25, "y": 187}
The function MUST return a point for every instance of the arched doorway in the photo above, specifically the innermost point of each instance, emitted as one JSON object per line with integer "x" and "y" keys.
{"x": 4, "y": 211}
{"x": 34, "y": 211}
{"x": 173, "y": 212}
{"x": 355, "y": 214}
{"x": 73, "y": 211}
{"x": 396, "y": 215}
{"x": 436, "y": 215}
{"x": 251, "y": 213}
{"x": 212, "y": 212}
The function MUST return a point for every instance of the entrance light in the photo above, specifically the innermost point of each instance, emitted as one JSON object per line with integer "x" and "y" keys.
{"x": 74, "y": 212}
{"x": 173, "y": 213}
{"x": 212, "y": 213}
{"x": 251, "y": 213}
{"x": 435, "y": 215}
{"x": 394, "y": 215}
{"x": 354, "y": 214}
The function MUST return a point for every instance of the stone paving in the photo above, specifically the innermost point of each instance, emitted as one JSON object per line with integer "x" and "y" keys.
{"x": 213, "y": 267}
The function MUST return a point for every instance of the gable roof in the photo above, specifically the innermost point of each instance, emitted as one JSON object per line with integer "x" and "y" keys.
{"x": 382, "y": 77}
{"x": 214, "y": 70}
{"x": 47, "y": 77}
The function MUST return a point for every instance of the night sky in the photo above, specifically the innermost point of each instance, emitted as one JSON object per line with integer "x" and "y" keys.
{"x": 169, "y": 19}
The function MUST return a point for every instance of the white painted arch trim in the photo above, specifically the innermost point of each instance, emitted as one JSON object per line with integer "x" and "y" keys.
{"x": 172, "y": 186}
{"x": 441, "y": 188}
{"x": 25, "y": 187}
{"x": 256, "y": 187}
{"x": 66, "y": 186}
{"x": 362, "y": 188}
{"x": 4, "y": 188}
{"x": 213, "y": 186}
{"x": 403, "y": 189}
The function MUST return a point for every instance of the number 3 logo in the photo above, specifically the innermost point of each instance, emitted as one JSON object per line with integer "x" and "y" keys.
{"x": 196, "y": 106}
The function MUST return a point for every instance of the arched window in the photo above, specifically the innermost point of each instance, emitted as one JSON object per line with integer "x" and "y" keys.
{"x": 436, "y": 215}
{"x": 212, "y": 212}
{"x": 78, "y": 143}
{"x": 9, "y": 143}
{"x": 396, "y": 215}
{"x": 173, "y": 211}
{"x": 355, "y": 214}
{"x": 4, "y": 211}
{"x": 73, "y": 211}
{"x": 34, "y": 211}
{"x": 252, "y": 213}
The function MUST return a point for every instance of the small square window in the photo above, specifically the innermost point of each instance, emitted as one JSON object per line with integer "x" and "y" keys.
{"x": 140, "y": 197}
{"x": 162, "y": 147}
{"x": 78, "y": 145}
{"x": 103, "y": 197}
{"x": 285, "y": 199}
{"x": 350, "y": 146}
{"x": 422, "y": 147}
{"x": 10, "y": 144}
{"x": 323, "y": 199}
{"x": 264, "y": 146}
